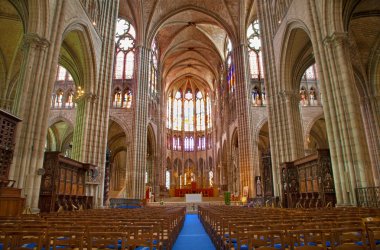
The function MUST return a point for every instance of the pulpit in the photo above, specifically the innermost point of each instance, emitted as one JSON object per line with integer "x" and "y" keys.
{"x": 11, "y": 203}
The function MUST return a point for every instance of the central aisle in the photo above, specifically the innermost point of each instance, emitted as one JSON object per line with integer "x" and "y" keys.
{"x": 193, "y": 236}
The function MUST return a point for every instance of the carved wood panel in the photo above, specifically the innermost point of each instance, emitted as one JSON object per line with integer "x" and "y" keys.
{"x": 8, "y": 125}
{"x": 308, "y": 182}
{"x": 68, "y": 177}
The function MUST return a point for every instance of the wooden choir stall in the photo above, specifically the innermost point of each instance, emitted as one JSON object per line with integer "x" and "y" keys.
{"x": 11, "y": 203}
{"x": 63, "y": 184}
{"x": 308, "y": 182}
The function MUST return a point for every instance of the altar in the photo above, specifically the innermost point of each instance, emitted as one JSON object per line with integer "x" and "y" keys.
{"x": 193, "y": 189}
{"x": 193, "y": 198}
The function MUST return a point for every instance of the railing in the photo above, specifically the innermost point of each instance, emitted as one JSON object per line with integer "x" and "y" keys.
{"x": 368, "y": 197}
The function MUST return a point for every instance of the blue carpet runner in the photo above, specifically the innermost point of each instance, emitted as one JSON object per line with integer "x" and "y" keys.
{"x": 193, "y": 236}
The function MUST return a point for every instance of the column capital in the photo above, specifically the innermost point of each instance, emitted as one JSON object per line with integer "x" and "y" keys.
{"x": 86, "y": 97}
{"x": 288, "y": 95}
{"x": 32, "y": 40}
{"x": 336, "y": 38}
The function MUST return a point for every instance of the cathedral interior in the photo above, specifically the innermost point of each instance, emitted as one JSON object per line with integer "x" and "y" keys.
{"x": 272, "y": 99}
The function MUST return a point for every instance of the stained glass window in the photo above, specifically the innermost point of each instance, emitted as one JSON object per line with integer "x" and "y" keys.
{"x": 177, "y": 111}
{"x": 169, "y": 113}
{"x": 119, "y": 65}
{"x": 254, "y": 50}
{"x": 167, "y": 179}
{"x": 153, "y": 68}
{"x": 129, "y": 65}
{"x": 309, "y": 88}
{"x": 64, "y": 90}
{"x": 200, "y": 108}
{"x": 309, "y": 74}
{"x": 117, "y": 98}
{"x": 208, "y": 102}
{"x": 189, "y": 111}
{"x": 61, "y": 76}
{"x": 230, "y": 67}
{"x": 70, "y": 97}
{"x": 125, "y": 49}
{"x": 127, "y": 99}
{"x": 58, "y": 100}
{"x": 211, "y": 178}
{"x": 174, "y": 143}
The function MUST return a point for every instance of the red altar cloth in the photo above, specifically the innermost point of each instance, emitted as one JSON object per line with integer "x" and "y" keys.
{"x": 206, "y": 192}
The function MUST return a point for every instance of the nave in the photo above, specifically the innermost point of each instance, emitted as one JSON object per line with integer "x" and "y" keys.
{"x": 214, "y": 227}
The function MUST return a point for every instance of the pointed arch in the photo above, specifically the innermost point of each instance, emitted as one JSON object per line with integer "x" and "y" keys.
{"x": 297, "y": 52}
{"x": 80, "y": 60}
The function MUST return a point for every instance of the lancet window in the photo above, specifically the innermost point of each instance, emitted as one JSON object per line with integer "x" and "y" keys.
{"x": 124, "y": 49}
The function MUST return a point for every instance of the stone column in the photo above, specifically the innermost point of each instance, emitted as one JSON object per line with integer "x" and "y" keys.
{"x": 349, "y": 126}
{"x": 30, "y": 100}
{"x": 140, "y": 121}
{"x": 245, "y": 129}
{"x": 329, "y": 104}
{"x": 371, "y": 121}
{"x": 84, "y": 106}
{"x": 268, "y": 28}
{"x": 90, "y": 132}
{"x": 291, "y": 125}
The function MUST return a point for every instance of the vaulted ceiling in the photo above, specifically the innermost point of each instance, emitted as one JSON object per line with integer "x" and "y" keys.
{"x": 191, "y": 35}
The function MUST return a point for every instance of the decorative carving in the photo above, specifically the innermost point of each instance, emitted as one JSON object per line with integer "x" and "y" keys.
{"x": 62, "y": 186}
{"x": 337, "y": 38}
{"x": 308, "y": 182}
{"x": 32, "y": 40}
{"x": 8, "y": 125}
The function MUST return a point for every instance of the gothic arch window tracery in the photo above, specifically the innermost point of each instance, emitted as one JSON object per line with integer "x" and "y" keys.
{"x": 117, "y": 101}
{"x": 189, "y": 111}
{"x": 256, "y": 64}
{"x": 231, "y": 77}
{"x": 154, "y": 69}
{"x": 59, "y": 99}
{"x": 127, "y": 98}
{"x": 200, "y": 111}
{"x": 208, "y": 108}
{"x": 124, "y": 50}
{"x": 70, "y": 98}
{"x": 309, "y": 88}
{"x": 64, "y": 90}
{"x": 177, "y": 111}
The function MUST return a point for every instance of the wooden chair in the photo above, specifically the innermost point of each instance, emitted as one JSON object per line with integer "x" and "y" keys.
{"x": 141, "y": 236}
{"x": 307, "y": 239}
{"x": 309, "y": 248}
{"x": 348, "y": 238}
{"x": 56, "y": 240}
{"x": 266, "y": 238}
{"x": 22, "y": 240}
{"x": 106, "y": 240}
{"x": 347, "y": 246}
{"x": 374, "y": 236}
